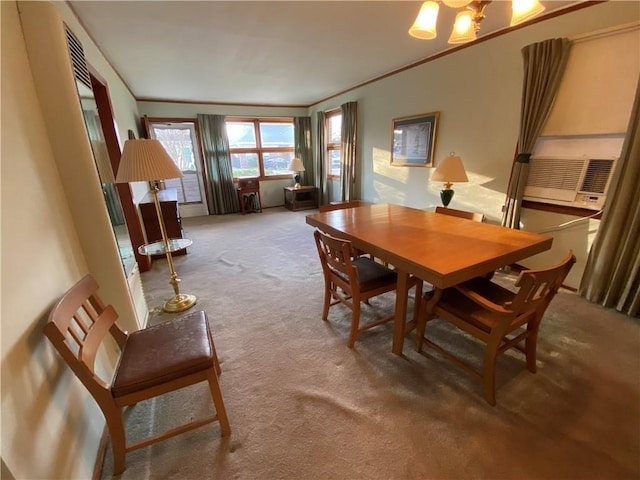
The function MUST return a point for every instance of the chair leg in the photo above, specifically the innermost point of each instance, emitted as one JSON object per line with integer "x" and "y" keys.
{"x": 218, "y": 402}
{"x": 115, "y": 425}
{"x": 355, "y": 323}
{"x": 530, "y": 346}
{"x": 489, "y": 371}
{"x": 417, "y": 301}
{"x": 216, "y": 362}
{"x": 421, "y": 324}
{"x": 327, "y": 302}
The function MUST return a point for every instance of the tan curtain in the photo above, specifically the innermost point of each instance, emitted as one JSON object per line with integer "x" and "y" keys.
{"x": 222, "y": 197}
{"x": 348, "y": 150}
{"x": 544, "y": 65}
{"x": 612, "y": 274}
{"x": 320, "y": 166}
{"x": 302, "y": 141}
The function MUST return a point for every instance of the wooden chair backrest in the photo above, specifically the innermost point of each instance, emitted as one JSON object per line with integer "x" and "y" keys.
{"x": 341, "y": 205}
{"x": 476, "y": 217}
{"x": 538, "y": 287}
{"x": 335, "y": 257}
{"x": 78, "y": 324}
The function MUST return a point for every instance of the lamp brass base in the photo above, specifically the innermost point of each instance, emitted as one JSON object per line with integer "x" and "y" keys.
{"x": 179, "y": 303}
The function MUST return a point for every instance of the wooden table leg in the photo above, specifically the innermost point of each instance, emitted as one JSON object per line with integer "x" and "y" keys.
{"x": 401, "y": 312}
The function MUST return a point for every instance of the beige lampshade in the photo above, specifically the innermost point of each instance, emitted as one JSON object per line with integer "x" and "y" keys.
{"x": 523, "y": 10}
{"x": 296, "y": 165}
{"x": 464, "y": 29}
{"x": 424, "y": 27}
{"x": 450, "y": 170}
{"x": 145, "y": 160}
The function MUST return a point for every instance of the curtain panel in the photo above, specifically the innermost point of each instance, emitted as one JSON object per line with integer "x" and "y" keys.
{"x": 320, "y": 180}
{"x": 544, "y": 65}
{"x": 612, "y": 273}
{"x": 221, "y": 192}
{"x": 348, "y": 150}
{"x": 302, "y": 143}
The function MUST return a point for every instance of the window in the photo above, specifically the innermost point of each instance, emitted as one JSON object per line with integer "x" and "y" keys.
{"x": 333, "y": 134}
{"x": 178, "y": 139}
{"x": 260, "y": 147}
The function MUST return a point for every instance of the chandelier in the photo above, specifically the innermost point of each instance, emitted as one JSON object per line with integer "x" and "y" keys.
{"x": 468, "y": 19}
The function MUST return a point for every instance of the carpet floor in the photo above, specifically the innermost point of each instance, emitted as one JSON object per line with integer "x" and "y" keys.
{"x": 304, "y": 406}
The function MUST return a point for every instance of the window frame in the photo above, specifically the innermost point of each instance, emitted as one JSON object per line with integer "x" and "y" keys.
{"x": 193, "y": 125}
{"x": 331, "y": 146}
{"x": 259, "y": 150}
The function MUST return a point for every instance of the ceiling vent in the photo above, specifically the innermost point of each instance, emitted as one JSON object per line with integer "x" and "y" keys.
{"x": 80, "y": 69}
{"x": 571, "y": 181}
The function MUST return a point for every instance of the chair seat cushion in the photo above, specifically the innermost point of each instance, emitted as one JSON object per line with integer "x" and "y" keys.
{"x": 464, "y": 308}
{"x": 372, "y": 275}
{"x": 164, "y": 352}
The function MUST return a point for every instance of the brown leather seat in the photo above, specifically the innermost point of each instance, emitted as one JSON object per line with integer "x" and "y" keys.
{"x": 153, "y": 356}
{"x": 153, "y": 361}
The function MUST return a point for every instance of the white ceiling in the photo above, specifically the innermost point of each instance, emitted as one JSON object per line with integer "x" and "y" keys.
{"x": 264, "y": 52}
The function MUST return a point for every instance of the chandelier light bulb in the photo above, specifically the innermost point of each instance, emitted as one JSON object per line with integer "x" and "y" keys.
{"x": 463, "y": 29}
{"x": 523, "y": 10}
{"x": 456, "y": 3}
{"x": 424, "y": 27}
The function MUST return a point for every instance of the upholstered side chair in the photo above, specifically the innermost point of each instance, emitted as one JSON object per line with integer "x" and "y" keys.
{"x": 153, "y": 361}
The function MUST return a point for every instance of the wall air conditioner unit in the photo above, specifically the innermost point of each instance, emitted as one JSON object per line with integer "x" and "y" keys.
{"x": 571, "y": 181}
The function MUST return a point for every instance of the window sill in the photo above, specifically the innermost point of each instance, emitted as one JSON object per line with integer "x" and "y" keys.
{"x": 548, "y": 207}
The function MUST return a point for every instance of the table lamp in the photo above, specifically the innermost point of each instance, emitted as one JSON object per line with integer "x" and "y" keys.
{"x": 296, "y": 166}
{"x": 448, "y": 171}
{"x": 146, "y": 160}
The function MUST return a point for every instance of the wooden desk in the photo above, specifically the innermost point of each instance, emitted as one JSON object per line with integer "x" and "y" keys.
{"x": 438, "y": 249}
{"x": 301, "y": 198}
{"x": 249, "y": 187}
{"x": 168, "y": 199}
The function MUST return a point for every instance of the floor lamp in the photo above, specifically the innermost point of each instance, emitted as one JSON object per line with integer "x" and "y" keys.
{"x": 147, "y": 161}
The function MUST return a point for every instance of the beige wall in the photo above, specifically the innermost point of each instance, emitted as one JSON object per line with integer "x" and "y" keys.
{"x": 477, "y": 92}
{"x": 41, "y": 404}
{"x": 50, "y": 426}
{"x": 271, "y": 191}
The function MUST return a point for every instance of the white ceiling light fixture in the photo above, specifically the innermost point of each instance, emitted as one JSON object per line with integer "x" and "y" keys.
{"x": 468, "y": 19}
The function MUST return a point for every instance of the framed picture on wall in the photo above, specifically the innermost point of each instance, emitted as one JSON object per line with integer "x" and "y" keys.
{"x": 413, "y": 140}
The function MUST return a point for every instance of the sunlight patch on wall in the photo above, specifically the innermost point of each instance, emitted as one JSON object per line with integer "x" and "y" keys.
{"x": 473, "y": 196}
{"x": 389, "y": 183}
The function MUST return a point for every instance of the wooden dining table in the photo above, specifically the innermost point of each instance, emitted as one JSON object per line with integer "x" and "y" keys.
{"x": 439, "y": 249}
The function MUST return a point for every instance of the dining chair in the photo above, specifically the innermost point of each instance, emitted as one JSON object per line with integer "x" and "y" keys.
{"x": 153, "y": 361}
{"x": 497, "y": 316}
{"x": 476, "y": 217}
{"x": 351, "y": 279}
{"x": 329, "y": 207}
